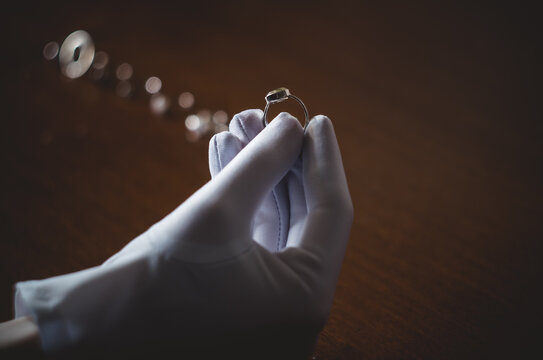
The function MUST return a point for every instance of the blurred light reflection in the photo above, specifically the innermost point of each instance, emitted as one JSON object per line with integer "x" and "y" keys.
{"x": 220, "y": 117}
{"x": 76, "y": 54}
{"x": 124, "y": 71}
{"x": 124, "y": 88}
{"x": 192, "y": 122}
{"x": 101, "y": 60}
{"x": 153, "y": 85}
{"x": 159, "y": 104}
{"x": 50, "y": 50}
{"x": 186, "y": 100}
{"x": 99, "y": 65}
{"x": 204, "y": 123}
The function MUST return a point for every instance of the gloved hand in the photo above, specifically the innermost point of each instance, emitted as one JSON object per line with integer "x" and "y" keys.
{"x": 197, "y": 281}
{"x": 283, "y": 210}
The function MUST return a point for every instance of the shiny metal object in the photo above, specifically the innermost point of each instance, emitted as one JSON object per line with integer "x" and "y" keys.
{"x": 76, "y": 54}
{"x": 282, "y": 94}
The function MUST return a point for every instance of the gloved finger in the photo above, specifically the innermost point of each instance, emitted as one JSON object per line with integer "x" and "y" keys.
{"x": 330, "y": 211}
{"x": 260, "y": 165}
{"x": 215, "y": 222}
{"x": 247, "y": 124}
{"x": 271, "y": 220}
{"x": 223, "y": 147}
{"x": 296, "y": 200}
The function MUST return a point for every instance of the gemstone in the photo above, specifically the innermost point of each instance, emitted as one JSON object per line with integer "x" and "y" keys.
{"x": 277, "y": 95}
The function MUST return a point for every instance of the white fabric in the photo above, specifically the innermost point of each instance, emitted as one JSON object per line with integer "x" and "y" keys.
{"x": 258, "y": 249}
{"x": 272, "y": 221}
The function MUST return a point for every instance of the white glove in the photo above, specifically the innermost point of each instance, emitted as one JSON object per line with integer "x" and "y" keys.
{"x": 196, "y": 281}
{"x": 282, "y": 213}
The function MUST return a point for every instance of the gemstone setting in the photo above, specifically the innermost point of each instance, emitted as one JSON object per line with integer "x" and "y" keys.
{"x": 277, "y": 95}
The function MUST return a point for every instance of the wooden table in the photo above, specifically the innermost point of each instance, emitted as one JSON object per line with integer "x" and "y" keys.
{"x": 437, "y": 112}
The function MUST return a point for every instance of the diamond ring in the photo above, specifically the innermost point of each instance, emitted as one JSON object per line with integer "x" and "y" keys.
{"x": 278, "y": 95}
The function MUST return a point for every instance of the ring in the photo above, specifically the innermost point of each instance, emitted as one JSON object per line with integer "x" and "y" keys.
{"x": 278, "y": 95}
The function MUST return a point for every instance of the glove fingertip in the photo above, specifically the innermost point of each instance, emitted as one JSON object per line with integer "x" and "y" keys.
{"x": 247, "y": 124}
{"x": 223, "y": 147}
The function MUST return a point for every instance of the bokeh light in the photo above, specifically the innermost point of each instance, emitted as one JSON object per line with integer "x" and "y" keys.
{"x": 50, "y": 50}
{"x": 153, "y": 85}
{"x": 185, "y": 100}
{"x": 124, "y": 72}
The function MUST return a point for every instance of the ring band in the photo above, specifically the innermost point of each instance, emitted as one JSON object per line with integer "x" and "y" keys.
{"x": 278, "y": 95}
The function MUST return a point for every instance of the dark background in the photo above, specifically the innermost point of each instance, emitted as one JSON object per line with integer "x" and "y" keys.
{"x": 437, "y": 111}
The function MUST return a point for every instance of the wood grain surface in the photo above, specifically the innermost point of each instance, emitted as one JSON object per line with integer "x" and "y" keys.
{"x": 436, "y": 108}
